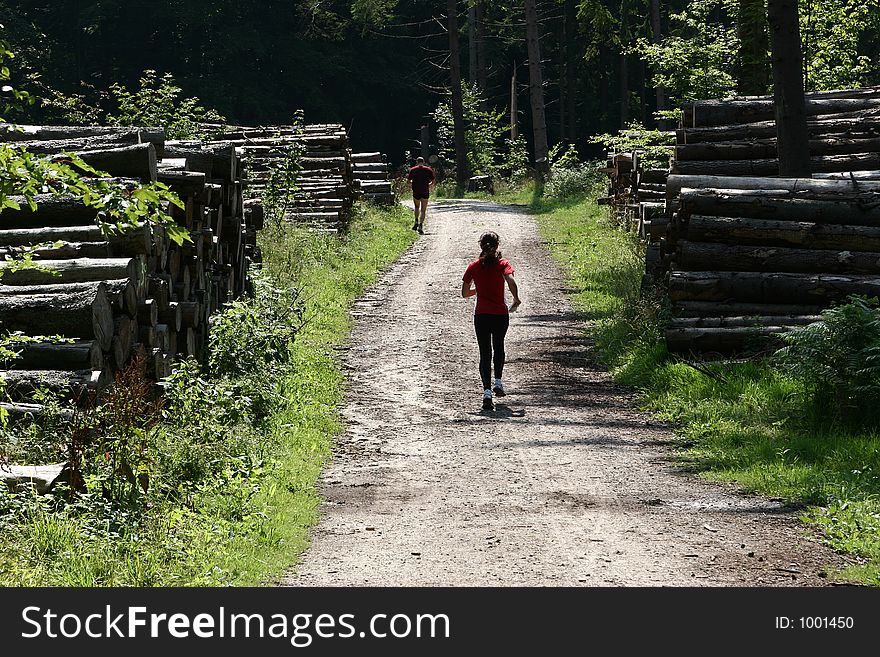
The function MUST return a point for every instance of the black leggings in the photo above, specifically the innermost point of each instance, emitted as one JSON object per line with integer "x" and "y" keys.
{"x": 490, "y": 333}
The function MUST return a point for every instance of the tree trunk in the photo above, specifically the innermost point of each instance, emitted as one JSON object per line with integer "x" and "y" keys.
{"x": 461, "y": 163}
{"x": 807, "y": 235}
{"x": 536, "y": 89}
{"x": 472, "y": 45}
{"x": 788, "y": 88}
{"x": 657, "y": 35}
{"x": 70, "y": 385}
{"x": 709, "y": 113}
{"x": 855, "y": 126}
{"x": 731, "y": 321}
{"x": 514, "y": 108}
{"x": 753, "y": 66}
{"x": 766, "y": 148}
{"x": 137, "y": 161}
{"x": 482, "y": 64}
{"x": 571, "y": 68}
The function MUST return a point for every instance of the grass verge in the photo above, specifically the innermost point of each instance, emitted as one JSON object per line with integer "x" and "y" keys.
{"x": 233, "y": 461}
{"x": 749, "y": 423}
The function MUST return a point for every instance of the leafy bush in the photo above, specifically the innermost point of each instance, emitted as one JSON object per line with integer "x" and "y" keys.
{"x": 837, "y": 360}
{"x": 158, "y": 103}
{"x": 252, "y": 335}
{"x": 484, "y": 129}
{"x": 569, "y": 177}
{"x": 654, "y": 146}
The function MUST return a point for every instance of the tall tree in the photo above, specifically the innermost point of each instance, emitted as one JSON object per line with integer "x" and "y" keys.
{"x": 536, "y": 88}
{"x": 569, "y": 77}
{"x": 461, "y": 163}
{"x": 792, "y": 138}
{"x": 753, "y": 67}
{"x": 657, "y": 36}
{"x": 623, "y": 73}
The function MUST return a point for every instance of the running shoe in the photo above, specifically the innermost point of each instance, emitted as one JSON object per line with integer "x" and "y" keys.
{"x": 415, "y": 226}
{"x": 488, "y": 404}
{"x": 499, "y": 389}
{"x": 421, "y": 230}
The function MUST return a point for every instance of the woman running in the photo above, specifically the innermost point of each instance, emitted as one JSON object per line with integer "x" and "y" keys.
{"x": 488, "y": 274}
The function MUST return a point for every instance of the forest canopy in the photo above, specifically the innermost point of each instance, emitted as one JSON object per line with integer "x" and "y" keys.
{"x": 381, "y": 67}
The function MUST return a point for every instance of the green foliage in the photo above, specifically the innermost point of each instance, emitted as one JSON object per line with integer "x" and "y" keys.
{"x": 697, "y": 59}
{"x": 281, "y": 186}
{"x": 373, "y": 13}
{"x": 833, "y": 33}
{"x": 158, "y": 102}
{"x": 256, "y": 335}
{"x": 517, "y": 160}
{"x": 484, "y": 130}
{"x": 569, "y": 177}
{"x": 654, "y": 146}
{"x": 838, "y": 361}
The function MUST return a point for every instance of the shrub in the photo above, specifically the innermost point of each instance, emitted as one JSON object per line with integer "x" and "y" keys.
{"x": 837, "y": 361}
{"x": 158, "y": 103}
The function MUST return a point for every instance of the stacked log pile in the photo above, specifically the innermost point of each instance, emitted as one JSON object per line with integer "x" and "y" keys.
{"x": 325, "y": 185}
{"x": 737, "y": 137}
{"x": 753, "y": 257}
{"x": 744, "y": 255}
{"x": 135, "y": 292}
{"x": 636, "y": 193}
{"x": 372, "y": 178}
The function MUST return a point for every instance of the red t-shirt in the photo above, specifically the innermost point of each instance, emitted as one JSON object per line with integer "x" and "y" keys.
{"x": 489, "y": 282}
{"x": 421, "y": 176}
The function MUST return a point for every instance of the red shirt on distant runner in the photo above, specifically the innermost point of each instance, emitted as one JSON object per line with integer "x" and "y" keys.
{"x": 421, "y": 177}
{"x": 489, "y": 282}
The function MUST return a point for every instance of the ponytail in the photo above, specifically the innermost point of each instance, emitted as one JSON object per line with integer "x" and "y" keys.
{"x": 489, "y": 254}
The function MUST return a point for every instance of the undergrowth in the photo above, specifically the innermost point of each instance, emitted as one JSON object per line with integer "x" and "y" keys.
{"x": 215, "y": 485}
{"x": 795, "y": 432}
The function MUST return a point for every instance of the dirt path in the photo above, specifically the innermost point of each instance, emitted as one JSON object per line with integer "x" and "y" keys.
{"x": 566, "y": 483}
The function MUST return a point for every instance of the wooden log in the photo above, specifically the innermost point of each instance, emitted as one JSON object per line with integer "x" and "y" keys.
{"x": 733, "y": 309}
{"x": 171, "y": 316}
{"x": 80, "y": 355}
{"x": 728, "y": 321}
{"x": 82, "y": 314}
{"x": 147, "y": 336}
{"x": 769, "y": 287}
{"x": 675, "y": 183}
{"x": 40, "y": 133}
{"x": 808, "y": 235}
{"x": 704, "y": 256}
{"x": 41, "y": 478}
{"x": 76, "y": 385}
{"x": 766, "y": 148}
{"x": 781, "y": 205}
{"x": 125, "y": 334}
{"x": 770, "y": 166}
{"x": 148, "y": 313}
{"x": 138, "y": 161}
{"x": 727, "y": 112}
{"x": 76, "y": 270}
{"x": 128, "y": 243}
{"x": 27, "y": 413}
{"x": 724, "y": 340}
